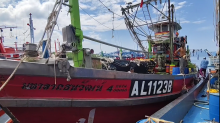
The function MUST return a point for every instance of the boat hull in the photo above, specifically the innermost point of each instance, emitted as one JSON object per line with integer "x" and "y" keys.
{"x": 126, "y": 114}
{"x": 35, "y": 95}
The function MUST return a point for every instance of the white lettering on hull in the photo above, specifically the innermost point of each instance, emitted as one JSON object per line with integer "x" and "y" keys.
{"x": 141, "y": 88}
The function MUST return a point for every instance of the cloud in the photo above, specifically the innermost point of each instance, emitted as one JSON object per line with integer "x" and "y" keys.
{"x": 164, "y": 7}
{"x": 190, "y": 4}
{"x": 17, "y": 14}
{"x": 182, "y": 3}
{"x": 199, "y": 22}
{"x": 185, "y": 21}
{"x": 205, "y": 28}
{"x": 94, "y": 35}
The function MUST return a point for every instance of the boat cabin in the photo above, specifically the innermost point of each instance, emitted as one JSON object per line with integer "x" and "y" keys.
{"x": 161, "y": 42}
{"x": 161, "y": 29}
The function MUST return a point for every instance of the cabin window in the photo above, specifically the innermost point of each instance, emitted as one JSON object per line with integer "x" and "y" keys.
{"x": 164, "y": 28}
{"x": 157, "y": 29}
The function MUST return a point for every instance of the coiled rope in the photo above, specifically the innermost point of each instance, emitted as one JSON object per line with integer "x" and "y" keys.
{"x": 201, "y": 102}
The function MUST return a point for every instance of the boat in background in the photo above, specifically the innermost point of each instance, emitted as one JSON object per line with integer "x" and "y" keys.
{"x": 9, "y": 52}
{"x": 16, "y": 52}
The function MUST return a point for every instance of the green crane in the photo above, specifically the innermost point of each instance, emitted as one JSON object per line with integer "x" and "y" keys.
{"x": 78, "y": 59}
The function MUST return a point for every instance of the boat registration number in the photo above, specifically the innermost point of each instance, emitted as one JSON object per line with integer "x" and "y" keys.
{"x": 141, "y": 88}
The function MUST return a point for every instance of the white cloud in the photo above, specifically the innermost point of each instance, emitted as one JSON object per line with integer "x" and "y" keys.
{"x": 18, "y": 15}
{"x": 205, "y": 28}
{"x": 185, "y": 21}
{"x": 182, "y": 3}
{"x": 164, "y": 7}
{"x": 199, "y": 22}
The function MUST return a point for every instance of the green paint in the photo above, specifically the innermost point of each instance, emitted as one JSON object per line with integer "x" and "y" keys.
{"x": 150, "y": 47}
{"x": 120, "y": 54}
{"x": 75, "y": 21}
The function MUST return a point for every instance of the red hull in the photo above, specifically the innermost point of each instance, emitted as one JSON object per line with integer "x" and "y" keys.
{"x": 128, "y": 114}
{"x": 45, "y": 87}
{"x": 109, "y": 90}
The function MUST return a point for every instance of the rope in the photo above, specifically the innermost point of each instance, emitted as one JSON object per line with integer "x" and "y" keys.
{"x": 205, "y": 103}
{"x": 156, "y": 120}
{"x": 184, "y": 86}
{"x": 9, "y": 78}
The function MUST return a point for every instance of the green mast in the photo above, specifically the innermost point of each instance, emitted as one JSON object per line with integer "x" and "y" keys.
{"x": 75, "y": 21}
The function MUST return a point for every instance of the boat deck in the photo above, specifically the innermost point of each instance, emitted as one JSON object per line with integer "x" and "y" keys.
{"x": 196, "y": 114}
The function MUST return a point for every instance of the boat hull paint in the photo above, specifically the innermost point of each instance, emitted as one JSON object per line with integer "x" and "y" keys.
{"x": 78, "y": 105}
{"x": 126, "y": 114}
{"x": 90, "y": 89}
{"x": 32, "y": 95}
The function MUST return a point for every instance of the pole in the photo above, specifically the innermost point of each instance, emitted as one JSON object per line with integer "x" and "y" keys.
{"x": 149, "y": 49}
{"x": 59, "y": 45}
{"x": 218, "y": 32}
{"x": 55, "y": 46}
{"x": 171, "y": 35}
{"x": 1, "y": 38}
{"x": 16, "y": 48}
{"x": 75, "y": 21}
{"x": 171, "y": 52}
{"x": 31, "y": 29}
{"x": 102, "y": 42}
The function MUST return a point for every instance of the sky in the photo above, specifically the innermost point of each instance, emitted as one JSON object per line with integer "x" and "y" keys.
{"x": 195, "y": 17}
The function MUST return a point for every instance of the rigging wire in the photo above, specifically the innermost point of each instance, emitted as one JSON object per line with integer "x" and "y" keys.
{"x": 135, "y": 15}
{"x": 109, "y": 9}
{"x": 163, "y": 8}
{"x": 113, "y": 26}
{"x": 94, "y": 18}
{"x": 119, "y": 25}
{"x": 140, "y": 27}
{"x": 146, "y": 20}
{"x": 113, "y": 16}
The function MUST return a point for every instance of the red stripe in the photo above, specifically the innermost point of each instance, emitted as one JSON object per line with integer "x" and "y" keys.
{"x": 1, "y": 113}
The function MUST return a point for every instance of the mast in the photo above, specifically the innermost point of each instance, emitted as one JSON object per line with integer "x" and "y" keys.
{"x": 218, "y": 32}
{"x": 171, "y": 43}
{"x": 75, "y": 21}
{"x": 171, "y": 35}
{"x": 31, "y": 29}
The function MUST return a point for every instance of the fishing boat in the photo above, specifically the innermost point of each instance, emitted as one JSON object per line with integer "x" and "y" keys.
{"x": 8, "y": 52}
{"x": 49, "y": 90}
{"x": 201, "y": 103}
{"x": 16, "y": 52}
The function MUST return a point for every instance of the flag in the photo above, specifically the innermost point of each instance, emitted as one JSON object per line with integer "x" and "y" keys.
{"x": 142, "y": 2}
